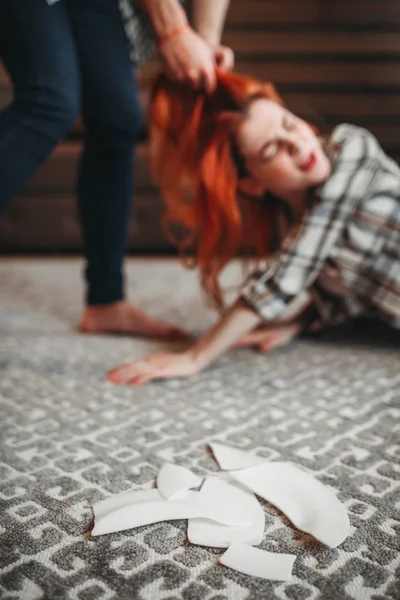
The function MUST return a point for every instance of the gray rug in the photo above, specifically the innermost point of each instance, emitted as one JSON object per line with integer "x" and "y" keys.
{"x": 331, "y": 405}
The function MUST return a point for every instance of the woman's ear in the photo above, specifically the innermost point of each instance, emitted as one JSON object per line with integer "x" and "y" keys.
{"x": 251, "y": 187}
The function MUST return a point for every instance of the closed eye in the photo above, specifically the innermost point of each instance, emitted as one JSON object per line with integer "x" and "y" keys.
{"x": 269, "y": 151}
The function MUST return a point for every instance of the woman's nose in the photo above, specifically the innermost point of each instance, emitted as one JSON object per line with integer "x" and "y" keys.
{"x": 293, "y": 143}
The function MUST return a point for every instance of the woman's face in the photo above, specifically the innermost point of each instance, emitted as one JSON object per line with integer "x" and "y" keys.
{"x": 281, "y": 152}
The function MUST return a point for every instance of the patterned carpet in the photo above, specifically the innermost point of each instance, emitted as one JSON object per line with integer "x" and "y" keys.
{"x": 331, "y": 405}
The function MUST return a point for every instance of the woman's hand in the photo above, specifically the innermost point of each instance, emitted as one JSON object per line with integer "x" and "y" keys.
{"x": 271, "y": 338}
{"x": 231, "y": 326}
{"x": 162, "y": 365}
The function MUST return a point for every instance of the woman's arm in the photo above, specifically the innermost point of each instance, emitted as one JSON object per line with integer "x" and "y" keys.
{"x": 237, "y": 321}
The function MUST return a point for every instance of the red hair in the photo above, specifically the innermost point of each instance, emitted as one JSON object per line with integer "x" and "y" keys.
{"x": 195, "y": 162}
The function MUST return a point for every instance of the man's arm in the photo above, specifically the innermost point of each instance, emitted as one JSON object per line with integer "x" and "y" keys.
{"x": 165, "y": 15}
{"x": 187, "y": 57}
{"x": 208, "y": 18}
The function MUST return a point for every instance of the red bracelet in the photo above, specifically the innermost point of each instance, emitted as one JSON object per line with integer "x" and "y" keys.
{"x": 170, "y": 34}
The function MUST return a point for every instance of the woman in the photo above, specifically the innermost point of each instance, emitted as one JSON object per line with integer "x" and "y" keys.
{"x": 326, "y": 215}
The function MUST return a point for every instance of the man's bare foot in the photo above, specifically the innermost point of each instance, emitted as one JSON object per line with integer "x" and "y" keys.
{"x": 125, "y": 319}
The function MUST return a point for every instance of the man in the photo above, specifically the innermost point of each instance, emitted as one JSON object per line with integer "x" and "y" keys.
{"x": 74, "y": 57}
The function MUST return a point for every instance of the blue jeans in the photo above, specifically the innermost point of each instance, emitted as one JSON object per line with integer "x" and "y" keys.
{"x": 64, "y": 60}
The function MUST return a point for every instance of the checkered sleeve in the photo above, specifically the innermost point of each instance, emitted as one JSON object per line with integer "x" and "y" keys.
{"x": 327, "y": 310}
{"x": 304, "y": 252}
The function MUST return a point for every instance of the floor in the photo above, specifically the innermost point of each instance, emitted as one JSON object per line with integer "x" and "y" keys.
{"x": 331, "y": 405}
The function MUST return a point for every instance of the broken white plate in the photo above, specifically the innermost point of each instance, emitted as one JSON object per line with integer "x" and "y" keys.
{"x": 134, "y": 509}
{"x": 174, "y": 479}
{"x": 308, "y": 503}
{"x": 103, "y": 507}
{"x": 225, "y": 503}
{"x": 143, "y": 507}
{"x": 231, "y": 459}
{"x": 204, "y": 532}
{"x": 258, "y": 563}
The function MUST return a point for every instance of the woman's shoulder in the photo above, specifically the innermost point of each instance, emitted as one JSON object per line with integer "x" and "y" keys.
{"x": 353, "y": 141}
{"x": 356, "y": 159}
{"x": 355, "y": 147}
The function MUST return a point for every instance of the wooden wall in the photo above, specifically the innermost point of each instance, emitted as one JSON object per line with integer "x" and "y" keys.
{"x": 332, "y": 60}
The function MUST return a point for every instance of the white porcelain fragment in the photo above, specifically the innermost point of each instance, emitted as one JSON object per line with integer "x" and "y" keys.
{"x": 230, "y": 459}
{"x": 204, "y": 532}
{"x": 309, "y": 504}
{"x": 134, "y": 509}
{"x": 103, "y": 507}
{"x": 225, "y": 502}
{"x": 174, "y": 479}
{"x": 217, "y": 500}
{"x": 258, "y": 563}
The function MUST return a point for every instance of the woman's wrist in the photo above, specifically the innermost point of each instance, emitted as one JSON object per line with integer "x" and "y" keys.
{"x": 198, "y": 358}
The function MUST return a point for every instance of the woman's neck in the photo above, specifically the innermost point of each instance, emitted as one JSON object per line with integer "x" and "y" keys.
{"x": 297, "y": 202}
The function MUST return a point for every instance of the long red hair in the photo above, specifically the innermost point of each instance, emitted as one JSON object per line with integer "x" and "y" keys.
{"x": 195, "y": 163}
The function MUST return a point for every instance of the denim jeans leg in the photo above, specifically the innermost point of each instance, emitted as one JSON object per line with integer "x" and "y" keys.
{"x": 38, "y": 49}
{"x": 113, "y": 120}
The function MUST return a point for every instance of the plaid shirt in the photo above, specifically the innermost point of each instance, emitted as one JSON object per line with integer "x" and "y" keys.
{"x": 344, "y": 258}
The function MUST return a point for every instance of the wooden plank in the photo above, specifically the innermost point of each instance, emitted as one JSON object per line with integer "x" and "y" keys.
{"x": 350, "y": 73}
{"x": 387, "y": 135}
{"x": 24, "y": 226}
{"x": 376, "y": 13}
{"x": 345, "y": 106}
{"x": 59, "y": 172}
{"x": 247, "y": 42}
{"x": 372, "y": 73}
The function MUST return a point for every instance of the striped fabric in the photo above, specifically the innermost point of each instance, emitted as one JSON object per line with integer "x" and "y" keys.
{"x": 344, "y": 258}
{"x": 138, "y": 30}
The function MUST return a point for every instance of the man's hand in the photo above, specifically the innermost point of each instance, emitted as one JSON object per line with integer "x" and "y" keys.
{"x": 224, "y": 58}
{"x": 188, "y": 58}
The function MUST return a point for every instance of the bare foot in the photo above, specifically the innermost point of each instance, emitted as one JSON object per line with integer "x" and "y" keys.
{"x": 125, "y": 319}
